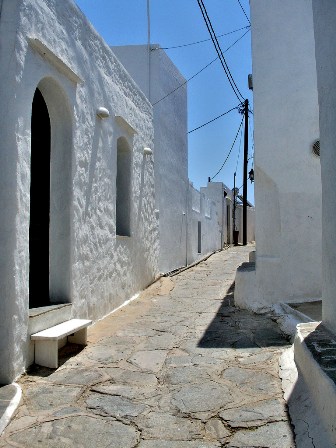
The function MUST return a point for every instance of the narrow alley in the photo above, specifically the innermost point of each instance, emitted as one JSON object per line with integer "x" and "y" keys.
{"x": 179, "y": 366}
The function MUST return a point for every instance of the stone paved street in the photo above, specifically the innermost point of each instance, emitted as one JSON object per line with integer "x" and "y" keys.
{"x": 178, "y": 367}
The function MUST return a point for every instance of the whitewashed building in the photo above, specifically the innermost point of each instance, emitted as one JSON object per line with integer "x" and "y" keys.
{"x": 77, "y": 190}
{"x": 294, "y": 72}
{"x": 324, "y": 20}
{"x": 315, "y": 342}
{"x": 205, "y": 221}
{"x": 222, "y": 198}
{"x": 287, "y": 172}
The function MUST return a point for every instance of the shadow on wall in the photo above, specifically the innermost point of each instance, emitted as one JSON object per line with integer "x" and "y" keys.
{"x": 144, "y": 189}
{"x": 236, "y": 328}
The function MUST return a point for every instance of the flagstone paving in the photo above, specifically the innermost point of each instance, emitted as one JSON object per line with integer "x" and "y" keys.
{"x": 178, "y": 367}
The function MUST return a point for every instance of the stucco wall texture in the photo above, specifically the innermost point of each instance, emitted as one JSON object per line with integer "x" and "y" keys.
{"x": 288, "y": 177}
{"x": 89, "y": 265}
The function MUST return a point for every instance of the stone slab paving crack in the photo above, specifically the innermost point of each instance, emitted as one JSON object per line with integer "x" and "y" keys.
{"x": 178, "y": 367}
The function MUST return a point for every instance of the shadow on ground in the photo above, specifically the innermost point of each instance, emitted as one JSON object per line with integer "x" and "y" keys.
{"x": 236, "y": 328}
{"x": 64, "y": 354}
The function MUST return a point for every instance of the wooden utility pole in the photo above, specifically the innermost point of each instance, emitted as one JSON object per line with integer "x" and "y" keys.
{"x": 234, "y": 231}
{"x": 246, "y": 110}
{"x": 234, "y": 201}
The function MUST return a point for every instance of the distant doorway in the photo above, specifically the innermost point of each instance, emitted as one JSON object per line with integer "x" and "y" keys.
{"x": 228, "y": 225}
{"x": 123, "y": 187}
{"x": 39, "y": 204}
{"x": 199, "y": 237}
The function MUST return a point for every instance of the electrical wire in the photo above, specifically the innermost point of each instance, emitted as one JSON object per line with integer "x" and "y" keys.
{"x": 202, "y": 69}
{"x": 227, "y": 157}
{"x": 236, "y": 41}
{"x": 216, "y": 118}
{"x": 217, "y": 47}
{"x": 244, "y": 12}
{"x": 185, "y": 82}
{"x": 241, "y": 136}
{"x": 219, "y": 51}
{"x": 200, "y": 41}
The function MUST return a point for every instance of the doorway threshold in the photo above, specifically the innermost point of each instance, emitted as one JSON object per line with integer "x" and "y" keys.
{"x": 33, "y": 312}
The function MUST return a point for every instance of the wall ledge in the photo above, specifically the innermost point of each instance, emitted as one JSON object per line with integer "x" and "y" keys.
{"x": 124, "y": 124}
{"x": 46, "y": 53}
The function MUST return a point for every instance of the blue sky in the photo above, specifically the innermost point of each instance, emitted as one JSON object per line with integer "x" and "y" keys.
{"x": 177, "y": 22}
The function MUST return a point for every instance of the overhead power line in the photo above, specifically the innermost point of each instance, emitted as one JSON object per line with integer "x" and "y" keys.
{"x": 227, "y": 157}
{"x": 241, "y": 136}
{"x": 236, "y": 41}
{"x": 219, "y": 51}
{"x": 200, "y": 41}
{"x": 216, "y": 118}
{"x": 200, "y": 71}
{"x": 244, "y": 12}
{"x": 185, "y": 82}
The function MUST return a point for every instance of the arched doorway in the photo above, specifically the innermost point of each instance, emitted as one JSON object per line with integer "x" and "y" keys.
{"x": 39, "y": 204}
{"x": 50, "y": 196}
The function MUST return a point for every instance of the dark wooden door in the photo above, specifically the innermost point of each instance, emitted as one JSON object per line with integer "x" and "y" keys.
{"x": 39, "y": 204}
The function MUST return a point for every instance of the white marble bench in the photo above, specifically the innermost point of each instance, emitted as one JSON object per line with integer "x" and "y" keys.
{"x": 47, "y": 341}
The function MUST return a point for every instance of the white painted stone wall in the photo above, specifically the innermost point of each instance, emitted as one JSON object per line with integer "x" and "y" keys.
{"x": 91, "y": 267}
{"x": 170, "y": 145}
{"x": 287, "y": 174}
{"x": 206, "y": 206}
{"x": 325, "y": 41}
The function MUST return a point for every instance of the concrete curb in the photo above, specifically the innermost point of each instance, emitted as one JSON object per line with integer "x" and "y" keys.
{"x": 308, "y": 427}
{"x": 195, "y": 263}
{"x": 311, "y": 346}
{"x": 13, "y": 403}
